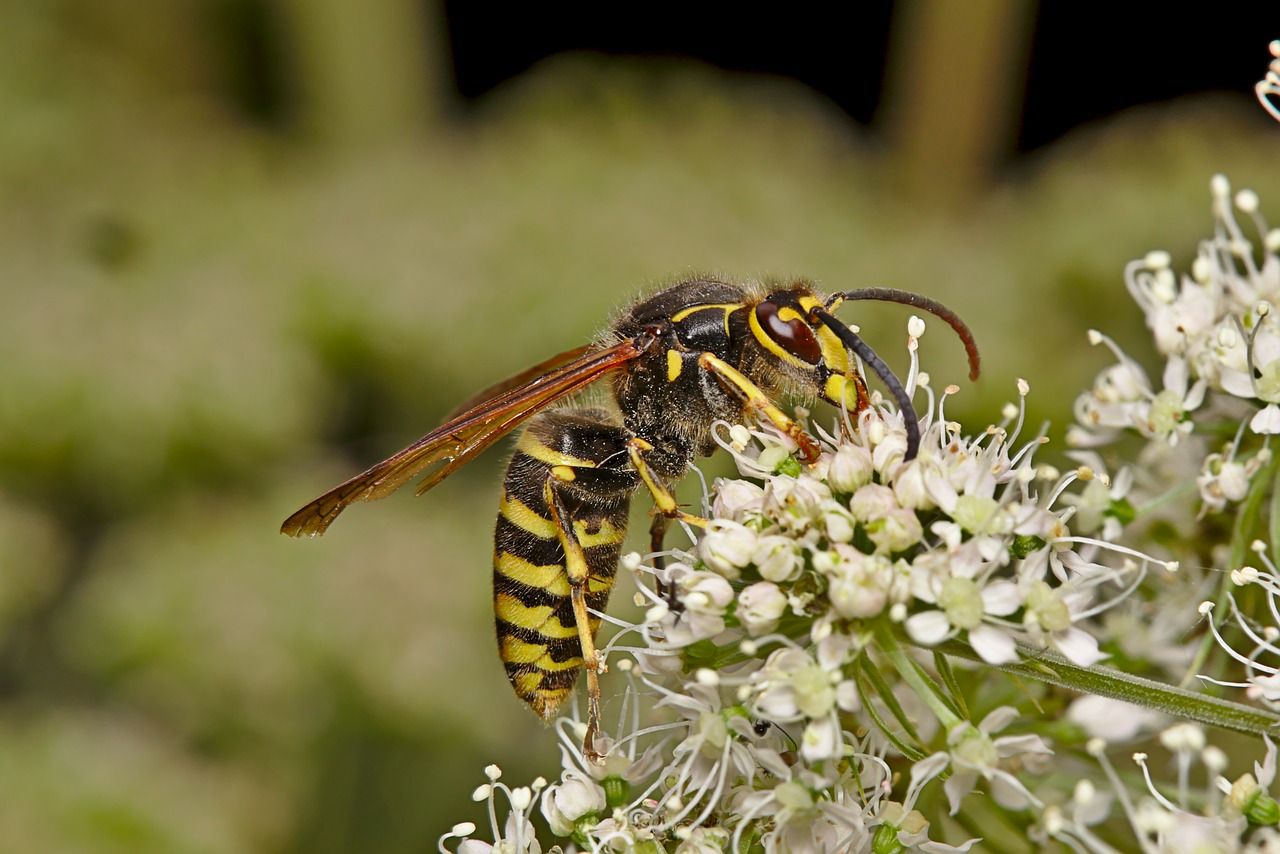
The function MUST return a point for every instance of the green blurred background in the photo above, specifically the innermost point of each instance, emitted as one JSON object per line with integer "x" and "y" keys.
{"x": 248, "y": 247}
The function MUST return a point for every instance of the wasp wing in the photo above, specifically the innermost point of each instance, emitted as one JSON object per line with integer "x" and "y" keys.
{"x": 460, "y": 439}
{"x": 537, "y": 371}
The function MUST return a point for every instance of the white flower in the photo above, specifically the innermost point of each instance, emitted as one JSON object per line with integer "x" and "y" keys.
{"x": 706, "y": 597}
{"x": 859, "y": 584}
{"x": 973, "y": 753}
{"x": 760, "y": 606}
{"x": 964, "y": 606}
{"x": 1049, "y": 619}
{"x": 850, "y": 469}
{"x": 564, "y": 804}
{"x": 738, "y": 500}
{"x": 776, "y": 558}
{"x": 727, "y": 546}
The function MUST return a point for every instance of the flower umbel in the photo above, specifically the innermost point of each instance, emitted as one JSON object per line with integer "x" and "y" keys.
{"x": 853, "y": 652}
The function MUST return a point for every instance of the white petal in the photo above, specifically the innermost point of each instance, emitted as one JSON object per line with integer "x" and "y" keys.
{"x": 1267, "y": 421}
{"x": 1079, "y": 646}
{"x": 1175, "y": 375}
{"x": 993, "y": 645}
{"x": 1014, "y": 745}
{"x": 1265, "y": 772}
{"x": 997, "y": 719}
{"x": 821, "y": 740}
{"x": 1001, "y": 598}
{"x": 928, "y": 628}
{"x": 1111, "y": 720}
{"x": 957, "y": 786}
{"x": 932, "y": 847}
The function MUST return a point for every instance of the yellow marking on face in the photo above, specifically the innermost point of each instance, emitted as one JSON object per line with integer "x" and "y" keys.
{"x": 834, "y": 354}
{"x": 838, "y": 389}
{"x": 519, "y": 514}
{"x": 674, "y": 364}
{"x": 549, "y": 578}
{"x": 531, "y": 446}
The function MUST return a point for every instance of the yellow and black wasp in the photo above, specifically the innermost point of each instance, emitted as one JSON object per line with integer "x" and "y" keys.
{"x": 677, "y": 361}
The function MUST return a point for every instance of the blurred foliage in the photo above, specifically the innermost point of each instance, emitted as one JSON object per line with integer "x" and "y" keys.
{"x": 205, "y": 323}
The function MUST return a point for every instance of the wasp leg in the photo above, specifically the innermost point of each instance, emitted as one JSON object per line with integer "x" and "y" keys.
{"x": 657, "y": 534}
{"x": 662, "y": 497}
{"x": 756, "y": 400}
{"x": 579, "y": 574}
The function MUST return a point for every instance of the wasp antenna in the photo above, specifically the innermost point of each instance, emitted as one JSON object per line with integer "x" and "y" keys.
{"x": 934, "y": 307}
{"x": 851, "y": 340}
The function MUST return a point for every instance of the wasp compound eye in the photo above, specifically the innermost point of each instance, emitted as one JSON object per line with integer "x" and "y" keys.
{"x": 790, "y": 333}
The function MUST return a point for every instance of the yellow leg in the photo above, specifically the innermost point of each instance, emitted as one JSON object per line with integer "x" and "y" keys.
{"x": 757, "y": 401}
{"x": 579, "y": 574}
{"x": 662, "y": 497}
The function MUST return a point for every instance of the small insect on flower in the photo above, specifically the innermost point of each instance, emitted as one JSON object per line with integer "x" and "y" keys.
{"x": 677, "y": 361}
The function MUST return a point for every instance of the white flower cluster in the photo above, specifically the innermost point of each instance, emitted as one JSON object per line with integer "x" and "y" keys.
{"x": 969, "y": 540}
{"x": 1217, "y": 329}
{"x": 820, "y": 671}
{"x": 1268, "y": 88}
{"x": 779, "y": 643}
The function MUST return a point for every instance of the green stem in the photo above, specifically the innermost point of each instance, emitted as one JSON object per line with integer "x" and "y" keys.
{"x": 1046, "y": 665}
{"x": 1273, "y": 527}
{"x": 888, "y": 643}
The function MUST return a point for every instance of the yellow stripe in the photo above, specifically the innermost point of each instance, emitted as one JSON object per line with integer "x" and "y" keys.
{"x": 527, "y": 683}
{"x": 531, "y": 446}
{"x": 726, "y": 307}
{"x": 674, "y": 364}
{"x": 608, "y": 535}
{"x": 549, "y": 578}
{"x": 547, "y": 702}
{"x": 519, "y": 652}
{"x": 539, "y": 618}
{"x": 518, "y": 513}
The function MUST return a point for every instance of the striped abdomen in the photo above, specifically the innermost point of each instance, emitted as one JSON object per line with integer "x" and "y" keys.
{"x": 560, "y": 453}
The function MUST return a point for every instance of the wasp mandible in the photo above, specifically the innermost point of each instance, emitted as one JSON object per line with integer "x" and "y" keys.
{"x": 677, "y": 361}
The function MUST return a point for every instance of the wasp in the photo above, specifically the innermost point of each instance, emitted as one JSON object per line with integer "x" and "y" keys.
{"x": 676, "y": 362}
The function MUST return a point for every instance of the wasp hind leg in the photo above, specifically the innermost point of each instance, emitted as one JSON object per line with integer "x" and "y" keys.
{"x": 663, "y": 500}
{"x": 581, "y": 582}
{"x": 556, "y": 546}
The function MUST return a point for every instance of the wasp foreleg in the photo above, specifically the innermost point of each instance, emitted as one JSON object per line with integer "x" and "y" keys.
{"x": 757, "y": 401}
